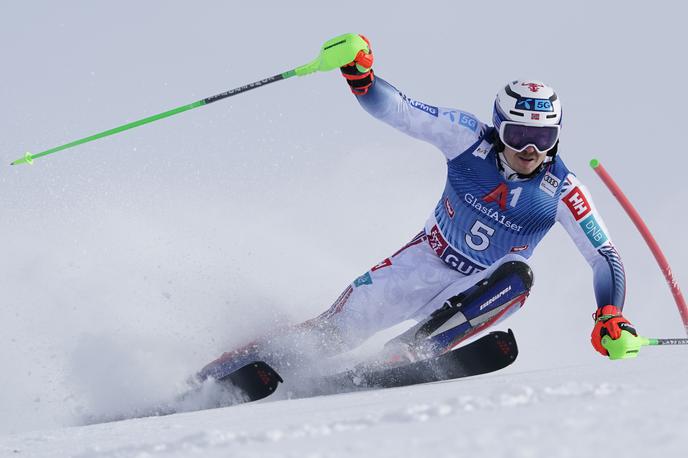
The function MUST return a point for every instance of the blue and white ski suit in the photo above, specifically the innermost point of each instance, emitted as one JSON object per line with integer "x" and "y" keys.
{"x": 483, "y": 218}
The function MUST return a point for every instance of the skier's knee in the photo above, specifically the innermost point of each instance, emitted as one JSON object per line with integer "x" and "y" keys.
{"x": 511, "y": 271}
{"x": 514, "y": 265}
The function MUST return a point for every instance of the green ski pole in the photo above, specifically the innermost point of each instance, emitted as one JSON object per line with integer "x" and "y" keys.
{"x": 334, "y": 53}
{"x": 679, "y": 341}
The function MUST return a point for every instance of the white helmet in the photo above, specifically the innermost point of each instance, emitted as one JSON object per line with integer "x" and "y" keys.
{"x": 528, "y": 103}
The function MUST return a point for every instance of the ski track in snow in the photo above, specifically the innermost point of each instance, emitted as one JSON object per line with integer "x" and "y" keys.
{"x": 420, "y": 412}
{"x": 580, "y": 411}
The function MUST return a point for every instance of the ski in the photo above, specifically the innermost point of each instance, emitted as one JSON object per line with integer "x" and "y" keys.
{"x": 490, "y": 353}
{"x": 257, "y": 380}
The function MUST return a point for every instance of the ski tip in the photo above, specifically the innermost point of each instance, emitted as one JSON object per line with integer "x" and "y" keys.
{"x": 594, "y": 163}
{"x": 257, "y": 380}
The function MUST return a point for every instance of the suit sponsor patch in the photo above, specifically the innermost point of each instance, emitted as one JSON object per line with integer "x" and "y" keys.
{"x": 468, "y": 121}
{"x": 463, "y": 119}
{"x": 549, "y": 184}
{"x": 449, "y": 208}
{"x": 459, "y": 262}
{"x": 594, "y": 231}
{"x": 432, "y": 110}
{"x": 577, "y": 203}
{"x": 449, "y": 255}
{"x": 364, "y": 279}
{"x": 437, "y": 242}
{"x": 386, "y": 263}
{"x": 482, "y": 150}
{"x": 518, "y": 249}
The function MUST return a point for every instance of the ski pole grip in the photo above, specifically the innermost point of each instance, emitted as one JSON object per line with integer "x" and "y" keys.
{"x": 626, "y": 346}
{"x": 335, "y": 53}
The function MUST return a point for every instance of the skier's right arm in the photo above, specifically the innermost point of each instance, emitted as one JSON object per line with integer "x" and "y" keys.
{"x": 450, "y": 130}
{"x": 577, "y": 213}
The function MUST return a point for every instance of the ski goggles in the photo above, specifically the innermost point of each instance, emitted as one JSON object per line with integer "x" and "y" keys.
{"x": 519, "y": 136}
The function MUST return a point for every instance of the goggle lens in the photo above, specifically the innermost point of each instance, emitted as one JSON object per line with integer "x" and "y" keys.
{"x": 519, "y": 136}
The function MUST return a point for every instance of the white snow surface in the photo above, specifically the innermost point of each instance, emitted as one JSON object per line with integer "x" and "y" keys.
{"x": 128, "y": 263}
{"x": 631, "y": 408}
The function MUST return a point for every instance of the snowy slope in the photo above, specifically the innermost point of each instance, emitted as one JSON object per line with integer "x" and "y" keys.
{"x": 630, "y": 408}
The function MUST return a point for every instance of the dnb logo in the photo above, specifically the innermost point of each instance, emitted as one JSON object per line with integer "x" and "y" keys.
{"x": 580, "y": 208}
{"x": 594, "y": 231}
{"x": 364, "y": 279}
{"x": 577, "y": 203}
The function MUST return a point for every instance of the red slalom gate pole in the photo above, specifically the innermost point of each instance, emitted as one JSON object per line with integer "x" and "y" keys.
{"x": 649, "y": 239}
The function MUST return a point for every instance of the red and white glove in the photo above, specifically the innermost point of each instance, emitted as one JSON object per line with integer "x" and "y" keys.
{"x": 609, "y": 322}
{"x": 359, "y": 73}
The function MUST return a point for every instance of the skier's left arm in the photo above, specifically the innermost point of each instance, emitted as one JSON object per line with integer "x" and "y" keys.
{"x": 577, "y": 213}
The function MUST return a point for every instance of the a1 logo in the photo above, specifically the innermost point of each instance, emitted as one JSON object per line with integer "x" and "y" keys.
{"x": 500, "y": 194}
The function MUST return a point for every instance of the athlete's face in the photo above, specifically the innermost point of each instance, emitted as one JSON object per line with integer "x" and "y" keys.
{"x": 524, "y": 162}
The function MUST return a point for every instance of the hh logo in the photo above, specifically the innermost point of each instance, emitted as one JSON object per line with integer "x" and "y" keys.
{"x": 499, "y": 195}
{"x": 577, "y": 203}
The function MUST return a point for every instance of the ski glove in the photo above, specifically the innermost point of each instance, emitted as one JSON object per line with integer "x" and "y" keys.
{"x": 609, "y": 322}
{"x": 359, "y": 73}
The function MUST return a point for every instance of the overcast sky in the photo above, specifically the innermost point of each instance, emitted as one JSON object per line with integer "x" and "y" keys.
{"x": 151, "y": 251}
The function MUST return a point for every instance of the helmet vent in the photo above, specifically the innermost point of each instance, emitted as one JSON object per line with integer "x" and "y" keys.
{"x": 517, "y": 113}
{"x": 551, "y": 116}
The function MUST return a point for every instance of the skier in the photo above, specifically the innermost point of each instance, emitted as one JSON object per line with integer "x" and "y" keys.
{"x": 467, "y": 269}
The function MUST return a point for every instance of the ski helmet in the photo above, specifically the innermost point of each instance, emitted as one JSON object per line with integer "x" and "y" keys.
{"x": 528, "y": 103}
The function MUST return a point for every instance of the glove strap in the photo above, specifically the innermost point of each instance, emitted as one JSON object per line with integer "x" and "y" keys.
{"x": 605, "y": 313}
{"x": 358, "y": 82}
